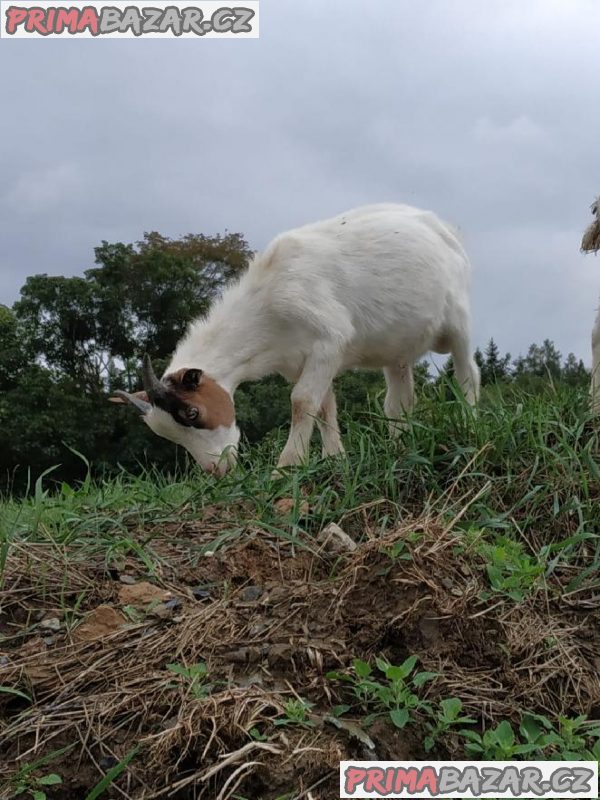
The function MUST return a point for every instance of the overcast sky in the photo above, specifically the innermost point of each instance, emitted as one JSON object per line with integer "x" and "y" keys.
{"x": 486, "y": 112}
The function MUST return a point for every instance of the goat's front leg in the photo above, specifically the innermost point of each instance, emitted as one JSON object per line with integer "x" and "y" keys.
{"x": 328, "y": 426}
{"x": 308, "y": 396}
{"x": 596, "y": 366}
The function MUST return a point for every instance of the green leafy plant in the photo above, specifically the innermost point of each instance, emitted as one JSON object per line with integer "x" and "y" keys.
{"x": 575, "y": 739}
{"x": 511, "y": 572}
{"x": 296, "y": 712}
{"x": 35, "y": 786}
{"x": 497, "y": 744}
{"x": 26, "y": 782}
{"x": 257, "y": 735}
{"x": 195, "y": 677}
{"x": 394, "y": 695}
{"x": 447, "y": 717}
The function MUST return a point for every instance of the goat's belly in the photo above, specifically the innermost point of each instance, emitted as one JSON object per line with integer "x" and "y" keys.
{"x": 389, "y": 349}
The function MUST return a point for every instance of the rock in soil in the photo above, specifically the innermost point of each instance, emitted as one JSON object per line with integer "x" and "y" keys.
{"x": 335, "y": 540}
{"x": 100, "y": 622}
{"x": 141, "y": 595}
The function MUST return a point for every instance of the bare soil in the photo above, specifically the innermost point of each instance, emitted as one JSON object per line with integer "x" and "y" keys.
{"x": 90, "y": 644}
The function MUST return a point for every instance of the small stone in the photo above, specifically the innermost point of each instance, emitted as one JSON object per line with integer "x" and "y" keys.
{"x": 165, "y": 610}
{"x": 52, "y": 624}
{"x": 48, "y": 640}
{"x": 98, "y": 623}
{"x": 142, "y": 595}
{"x": 259, "y": 629}
{"x": 200, "y": 593}
{"x": 251, "y": 593}
{"x": 129, "y": 580}
{"x": 336, "y": 540}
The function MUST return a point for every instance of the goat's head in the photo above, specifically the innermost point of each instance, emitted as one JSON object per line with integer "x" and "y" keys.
{"x": 191, "y": 409}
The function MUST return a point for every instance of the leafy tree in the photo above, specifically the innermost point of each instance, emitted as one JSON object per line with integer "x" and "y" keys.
{"x": 146, "y": 297}
{"x": 13, "y": 354}
{"x": 60, "y": 326}
{"x": 574, "y": 372}
{"x": 542, "y": 361}
{"x": 137, "y": 300}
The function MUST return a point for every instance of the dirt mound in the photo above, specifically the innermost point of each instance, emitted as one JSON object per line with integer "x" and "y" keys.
{"x": 215, "y": 665}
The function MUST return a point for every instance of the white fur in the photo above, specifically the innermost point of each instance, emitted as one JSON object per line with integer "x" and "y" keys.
{"x": 214, "y": 450}
{"x": 595, "y": 388}
{"x": 376, "y": 287}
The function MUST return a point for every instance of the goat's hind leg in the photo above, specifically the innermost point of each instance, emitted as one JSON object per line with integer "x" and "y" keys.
{"x": 328, "y": 426}
{"x": 400, "y": 395}
{"x": 466, "y": 370}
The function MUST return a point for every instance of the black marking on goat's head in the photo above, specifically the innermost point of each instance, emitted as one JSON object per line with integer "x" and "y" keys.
{"x": 180, "y": 397}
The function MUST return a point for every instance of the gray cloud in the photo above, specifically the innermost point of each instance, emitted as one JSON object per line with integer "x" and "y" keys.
{"x": 484, "y": 112}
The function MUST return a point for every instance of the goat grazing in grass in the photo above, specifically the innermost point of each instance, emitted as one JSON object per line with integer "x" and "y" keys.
{"x": 591, "y": 244}
{"x": 376, "y": 287}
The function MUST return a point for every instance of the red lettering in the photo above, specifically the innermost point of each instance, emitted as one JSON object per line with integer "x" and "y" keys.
{"x": 35, "y": 21}
{"x": 66, "y": 18}
{"x": 375, "y": 780}
{"x": 428, "y": 780}
{"x": 50, "y": 15}
{"x": 14, "y": 17}
{"x": 406, "y": 779}
{"x": 89, "y": 20}
{"x": 354, "y": 778}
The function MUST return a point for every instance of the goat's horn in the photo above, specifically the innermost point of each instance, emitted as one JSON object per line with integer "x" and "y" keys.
{"x": 154, "y": 388}
{"x": 140, "y": 405}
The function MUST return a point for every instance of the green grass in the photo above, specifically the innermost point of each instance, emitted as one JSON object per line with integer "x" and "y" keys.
{"x": 519, "y": 479}
{"x": 526, "y": 466}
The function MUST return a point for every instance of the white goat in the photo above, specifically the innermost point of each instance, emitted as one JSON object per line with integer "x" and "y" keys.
{"x": 376, "y": 287}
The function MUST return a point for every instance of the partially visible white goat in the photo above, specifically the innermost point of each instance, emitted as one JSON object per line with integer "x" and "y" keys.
{"x": 376, "y": 287}
{"x": 591, "y": 244}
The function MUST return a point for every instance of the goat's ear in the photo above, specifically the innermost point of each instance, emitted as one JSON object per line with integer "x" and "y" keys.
{"x": 191, "y": 379}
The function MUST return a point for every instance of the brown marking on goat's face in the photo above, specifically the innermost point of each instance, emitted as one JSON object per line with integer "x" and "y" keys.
{"x": 197, "y": 401}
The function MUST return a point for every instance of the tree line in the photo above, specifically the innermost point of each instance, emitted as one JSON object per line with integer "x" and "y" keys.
{"x": 69, "y": 341}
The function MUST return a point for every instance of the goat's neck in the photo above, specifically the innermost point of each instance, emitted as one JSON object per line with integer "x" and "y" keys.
{"x": 232, "y": 343}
